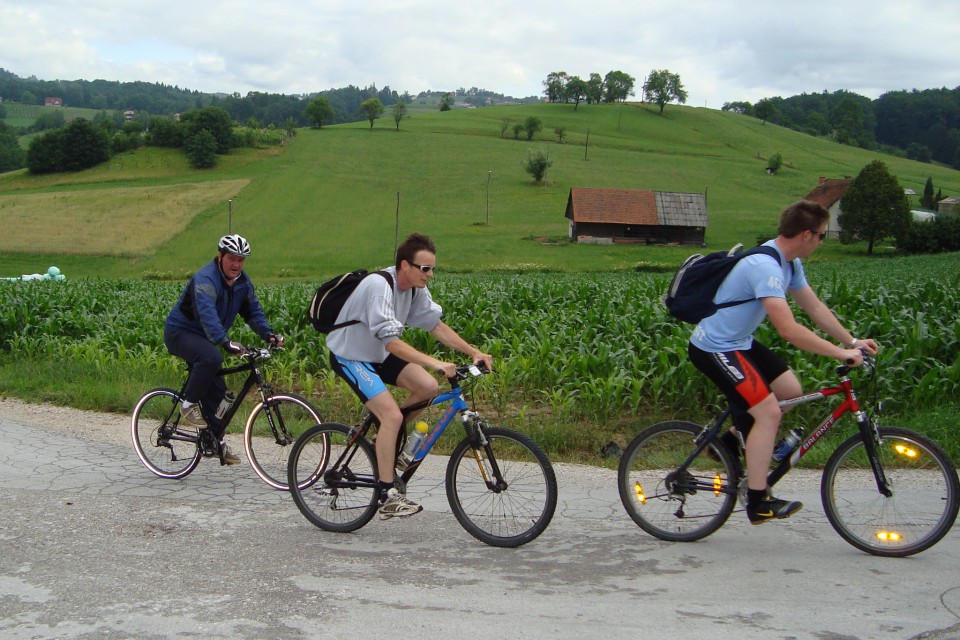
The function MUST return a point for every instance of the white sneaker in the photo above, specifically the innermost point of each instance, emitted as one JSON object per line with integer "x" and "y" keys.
{"x": 398, "y": 505}
{"x": 192, "y": 416}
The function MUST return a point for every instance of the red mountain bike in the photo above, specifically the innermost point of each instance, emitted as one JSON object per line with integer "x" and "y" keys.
{"x": 886, "y": 490}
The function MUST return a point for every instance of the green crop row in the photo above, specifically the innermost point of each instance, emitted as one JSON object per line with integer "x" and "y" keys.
{"x": 572, "y": 349}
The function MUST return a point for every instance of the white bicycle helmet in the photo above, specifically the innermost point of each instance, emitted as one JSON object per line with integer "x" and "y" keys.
{"x": 234, "y": 244}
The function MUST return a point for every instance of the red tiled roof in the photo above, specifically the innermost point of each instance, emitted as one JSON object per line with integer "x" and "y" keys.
{"x": 618, "y": 206}
{"x": 828, "y": 192}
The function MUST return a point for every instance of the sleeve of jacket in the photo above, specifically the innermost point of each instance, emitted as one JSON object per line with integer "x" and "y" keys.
{"x": 252, "y": 312}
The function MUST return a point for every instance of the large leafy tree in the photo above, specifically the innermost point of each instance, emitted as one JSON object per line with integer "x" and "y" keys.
{"x": 555, "y": 85}
{"x": 79, "y": 145}
{"x": 213, "y": 119}
{"x": 372, "y": 108}
{"x": 12, "y": 155}
{"x": 874, "y": 207}
{"x": 594, "y": 89}
{"x": 575, "y": 90}
{"x": 318, "y": 111}
{"x": 662, "y": 87}
{"x": 764, "y": 109}
{"x": 619, "y": 86}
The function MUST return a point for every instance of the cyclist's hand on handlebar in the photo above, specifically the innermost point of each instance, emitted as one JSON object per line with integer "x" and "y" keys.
{"x": 869, "y": 345}
{"x": 485, "y": 358}
{"x": 852, "y": 357}
{"x": 233, "y": 348}
{"x": 276, "y": 341}
{"x": 448, "y": 369}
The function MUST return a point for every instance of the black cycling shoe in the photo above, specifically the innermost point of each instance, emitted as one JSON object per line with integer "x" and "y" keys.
{"x": 771, "y": 508}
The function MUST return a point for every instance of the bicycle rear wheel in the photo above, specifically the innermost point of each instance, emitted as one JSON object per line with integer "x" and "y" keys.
{"x": 165, "y": 447}
{"x": 340, "y": 494}
{"x": 270, "y": 431}
{"x": 680, "y": 507}
{"x": 922, "y": 508}
{"x": 505, "y": 509}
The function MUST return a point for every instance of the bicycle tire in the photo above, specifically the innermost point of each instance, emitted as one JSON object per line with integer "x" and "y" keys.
{"x": 165, "y": 447}
{"x": 342, "y": 494}
{"x": 678, "y": 511}
{"x": 514, "y": 514}
{"x": 921, "y": 510}
{"x": 269, "y": 453}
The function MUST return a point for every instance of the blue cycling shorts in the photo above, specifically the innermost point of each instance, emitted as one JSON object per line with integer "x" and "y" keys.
{"x": 368, "y": 379}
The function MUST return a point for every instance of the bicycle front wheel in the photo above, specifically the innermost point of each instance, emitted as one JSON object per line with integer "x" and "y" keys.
{"x": 271, "y": 430}
{"x": 342, "y": 493}
{"x": 503, "y": 493}
{"x": 925, "y": 496}
{"x": 672, "y": 505}
{"x": 166, "y": 447}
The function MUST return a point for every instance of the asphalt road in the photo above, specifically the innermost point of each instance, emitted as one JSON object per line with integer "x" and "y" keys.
{"x": 93, "y": 546}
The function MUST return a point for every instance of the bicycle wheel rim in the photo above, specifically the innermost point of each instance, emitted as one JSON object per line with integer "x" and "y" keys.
{"x": 515, "y": 515}
{"x": 340, "y": 495}
{"x": 660, "y": 505}
{"x": 166, "y": 448}
{"x": 268, "y": 451}
{"x": 921, "y": 510}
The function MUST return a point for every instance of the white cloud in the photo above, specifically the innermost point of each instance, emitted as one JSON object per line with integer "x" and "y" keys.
{"x": 723, "y": 51}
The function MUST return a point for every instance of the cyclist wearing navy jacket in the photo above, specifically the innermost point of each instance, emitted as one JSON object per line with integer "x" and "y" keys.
{"x": 199, "y": 323}
{"x": 753, "y": 377}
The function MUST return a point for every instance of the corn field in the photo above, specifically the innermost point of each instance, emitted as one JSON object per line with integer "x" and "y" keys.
{"x": 588, "y": 348}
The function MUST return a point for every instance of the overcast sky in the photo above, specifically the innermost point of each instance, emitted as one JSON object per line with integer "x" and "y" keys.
{"x": 723, "y": 50}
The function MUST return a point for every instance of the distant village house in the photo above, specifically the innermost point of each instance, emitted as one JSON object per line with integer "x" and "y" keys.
{"x": 607, "y": 216}
{"x": 828, "y": 194}
{"x": 53, "y": 102}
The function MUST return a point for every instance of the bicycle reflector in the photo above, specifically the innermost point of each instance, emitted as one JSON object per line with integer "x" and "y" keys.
{"x": 888, "y": 536}
{"x": 905, "y": 451}
{"x": 642, "y": 499}
{"x": 717, "y": 485}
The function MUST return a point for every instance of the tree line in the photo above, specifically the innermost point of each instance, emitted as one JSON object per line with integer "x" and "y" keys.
{"x": 660, "y": 87}
{"x": 921, "y": 125}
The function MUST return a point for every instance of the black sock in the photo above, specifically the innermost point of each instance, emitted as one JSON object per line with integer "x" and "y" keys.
{"x": 384, "y": 487}
{"x": 755, "y": 497}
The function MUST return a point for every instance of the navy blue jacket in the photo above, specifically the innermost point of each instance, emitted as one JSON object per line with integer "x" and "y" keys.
{"x": 208, "y": 306}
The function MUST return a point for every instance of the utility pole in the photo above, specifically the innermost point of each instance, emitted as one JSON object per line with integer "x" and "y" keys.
{"x": 489, "y": 174}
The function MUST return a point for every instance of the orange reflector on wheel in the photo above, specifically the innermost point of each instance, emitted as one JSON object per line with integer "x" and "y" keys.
{"x": 642, "y": 499}
{"x": 904, "y": 450}
{"x": 716, "y": 485}
{"x": 889, "y": 536}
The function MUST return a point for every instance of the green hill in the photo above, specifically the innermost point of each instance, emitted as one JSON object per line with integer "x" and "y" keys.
{"x": 329, "y": 200}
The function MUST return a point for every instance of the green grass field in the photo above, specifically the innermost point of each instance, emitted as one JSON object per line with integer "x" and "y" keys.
{"x": 329, "y": 200}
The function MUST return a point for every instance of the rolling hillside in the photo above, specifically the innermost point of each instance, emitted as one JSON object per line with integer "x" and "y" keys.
{"x": 329, "y": 200}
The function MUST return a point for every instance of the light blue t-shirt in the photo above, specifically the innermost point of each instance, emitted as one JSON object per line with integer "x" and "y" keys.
{"x": 756, "y": 276}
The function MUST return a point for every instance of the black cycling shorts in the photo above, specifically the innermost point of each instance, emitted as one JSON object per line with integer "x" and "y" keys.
{"x": 744, "y": 377}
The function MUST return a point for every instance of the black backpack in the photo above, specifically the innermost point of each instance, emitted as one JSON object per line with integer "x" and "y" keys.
{"x": 691, "y": 292}
{"x": 331, "y": 296}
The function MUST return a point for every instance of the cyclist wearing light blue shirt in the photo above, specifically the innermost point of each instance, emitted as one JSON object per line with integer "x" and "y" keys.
{"x": 752, "y": 377}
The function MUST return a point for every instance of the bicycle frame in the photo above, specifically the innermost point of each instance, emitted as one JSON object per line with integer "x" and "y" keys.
{"x": 458, "y": 405}
{"x": 850, "y": 404}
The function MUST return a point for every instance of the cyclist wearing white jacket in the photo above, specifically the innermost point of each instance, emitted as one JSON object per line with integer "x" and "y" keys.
{"x": 370, "y": 353}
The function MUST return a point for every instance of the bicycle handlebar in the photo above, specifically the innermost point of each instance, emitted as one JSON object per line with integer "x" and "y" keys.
{"x": 467, "y": 371}
{"x": 869, "y": 362}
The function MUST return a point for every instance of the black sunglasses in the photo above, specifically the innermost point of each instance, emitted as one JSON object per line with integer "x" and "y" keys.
{"x": 426, "y": 268}
{"x": 817, "y": 233}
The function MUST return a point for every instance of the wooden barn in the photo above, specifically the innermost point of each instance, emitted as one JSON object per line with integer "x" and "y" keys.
{"x": 606, "y": 216}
